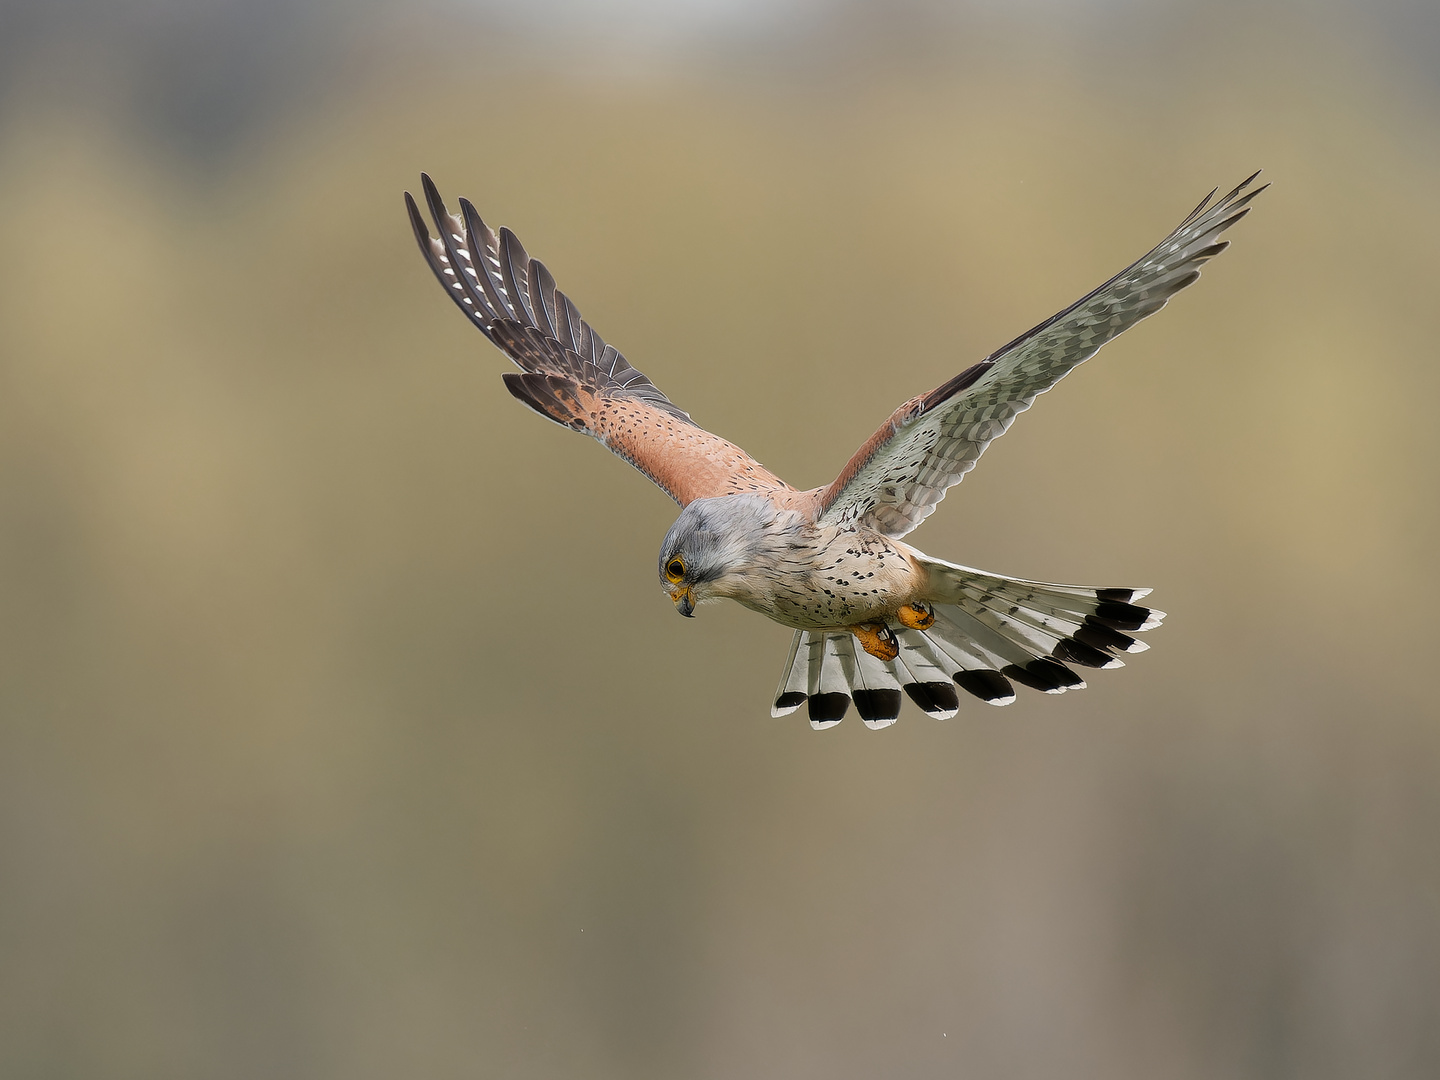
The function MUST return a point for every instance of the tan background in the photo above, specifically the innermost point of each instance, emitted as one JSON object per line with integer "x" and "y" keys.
{"x": 344, "y": 731}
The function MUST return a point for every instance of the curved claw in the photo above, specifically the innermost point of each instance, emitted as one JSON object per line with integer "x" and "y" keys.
{"x": 877, "y": 640}
{"x": 917, "y": 616}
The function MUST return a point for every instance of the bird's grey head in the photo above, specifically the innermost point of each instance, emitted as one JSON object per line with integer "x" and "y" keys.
{"x": 711, "y": 549}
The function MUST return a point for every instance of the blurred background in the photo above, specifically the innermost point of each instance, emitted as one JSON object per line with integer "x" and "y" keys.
{"x": 343, "y": 729}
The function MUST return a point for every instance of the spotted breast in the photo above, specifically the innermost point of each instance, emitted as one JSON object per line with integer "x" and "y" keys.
{"x": 820, "y": 577}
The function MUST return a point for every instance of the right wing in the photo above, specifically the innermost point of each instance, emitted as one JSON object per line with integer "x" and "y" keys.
{"x": 895, "y": 480}
{"x": 567, "y": 372}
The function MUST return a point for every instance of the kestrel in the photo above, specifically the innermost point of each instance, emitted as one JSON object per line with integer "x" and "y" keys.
{"x": 872, "y": 615}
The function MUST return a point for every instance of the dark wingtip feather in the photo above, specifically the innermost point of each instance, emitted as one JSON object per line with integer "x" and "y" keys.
{"x": 1099, "y": 636}
{"x": 1122, "y": 596}
{"x": 1210, "y": 252}
{"x": 434, "y": 202}
{"x": 1016, "y": 673}
{"x": 1229, "y": 221}
{"x": 542, "y": 297}
{"x": 422, "y": 234}
{"x": 1078, "y": 652}
{"x": 1049, "y": 676}
{"x": 788, "y": 702}
{"x": 468, "y": 212}
{"x": 1244, "y": 184}
{"x": 1121, "y": 616}
{"x": 443, "y": 266}
{"x": 477, "y": 235}
{"x": 416, "y": 221}
{"x": 827, "y": 709}
{"x": 936, "y": 698}
{"x": 515, "y": 262}
{"x": 874, "y": 705}
{"x": 987, "y": 685}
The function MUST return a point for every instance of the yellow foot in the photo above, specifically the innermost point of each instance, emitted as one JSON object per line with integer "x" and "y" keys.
{"x": 916, "y": 616}
{"x": 877, "y": 640}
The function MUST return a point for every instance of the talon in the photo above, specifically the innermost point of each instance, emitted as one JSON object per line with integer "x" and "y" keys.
{"x": 916, "y": 616}
{"x": 877, "y": 640}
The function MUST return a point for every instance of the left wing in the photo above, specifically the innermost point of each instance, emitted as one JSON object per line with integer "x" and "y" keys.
{"x": 567, "y": 372}
{"x": 895, "y": 480}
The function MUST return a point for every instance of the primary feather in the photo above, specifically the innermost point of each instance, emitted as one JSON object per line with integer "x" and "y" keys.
{"x": 896, "y": 479}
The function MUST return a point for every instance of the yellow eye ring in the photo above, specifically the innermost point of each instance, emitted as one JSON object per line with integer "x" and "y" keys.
{"x": 675, "y": 569}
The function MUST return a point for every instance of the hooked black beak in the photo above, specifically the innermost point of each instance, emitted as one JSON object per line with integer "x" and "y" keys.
{"x": 684, "y": 602}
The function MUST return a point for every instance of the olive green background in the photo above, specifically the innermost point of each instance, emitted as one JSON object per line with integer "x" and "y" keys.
{"x": 345, "y": 731}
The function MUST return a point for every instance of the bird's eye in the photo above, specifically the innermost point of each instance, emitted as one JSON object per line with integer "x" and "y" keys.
{"x": 675, "y": 569}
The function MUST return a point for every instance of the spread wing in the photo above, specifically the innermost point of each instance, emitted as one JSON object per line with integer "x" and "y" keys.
{"x": 895, "y": 480}
{"x": 567, "y": 372}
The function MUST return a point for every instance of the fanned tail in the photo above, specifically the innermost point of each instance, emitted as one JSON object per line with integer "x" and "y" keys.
{"x": 828, "y": 669}
{"x": 990, "y": 632}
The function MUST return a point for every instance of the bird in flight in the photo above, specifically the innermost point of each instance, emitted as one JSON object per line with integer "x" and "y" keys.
{"x": 872, "y": 615}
